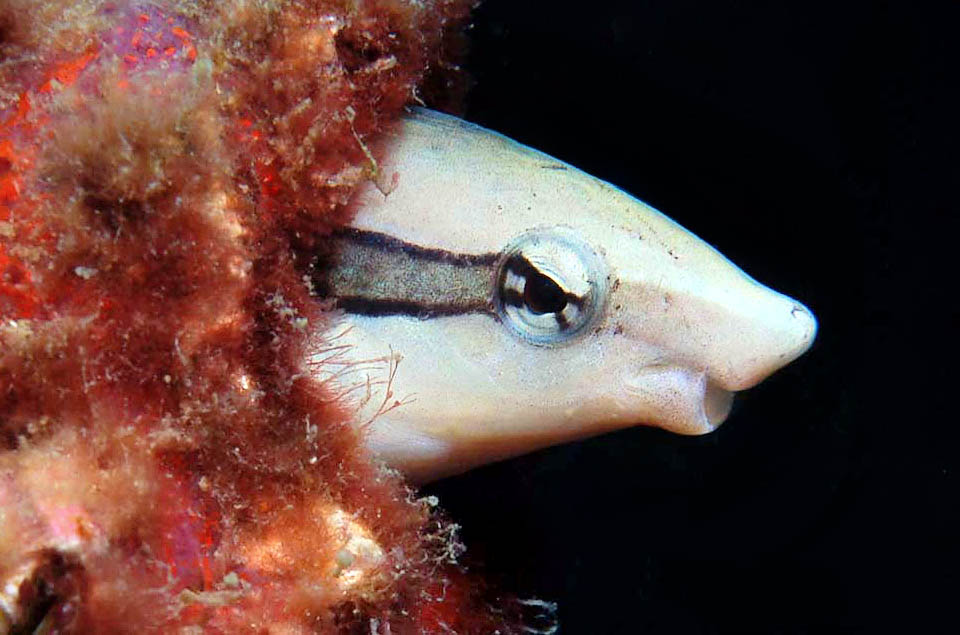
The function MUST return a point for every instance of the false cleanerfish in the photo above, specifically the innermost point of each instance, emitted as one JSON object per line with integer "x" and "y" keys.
{"x": 496, "y": 300}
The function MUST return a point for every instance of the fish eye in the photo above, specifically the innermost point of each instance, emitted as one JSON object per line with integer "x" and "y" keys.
{"x": 550, "y": 286}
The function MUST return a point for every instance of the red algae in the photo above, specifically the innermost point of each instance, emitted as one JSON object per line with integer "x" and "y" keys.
{"x": 167, "y": 462}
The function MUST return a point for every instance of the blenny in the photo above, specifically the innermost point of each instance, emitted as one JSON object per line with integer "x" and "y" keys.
{"x": 496, "y": 300}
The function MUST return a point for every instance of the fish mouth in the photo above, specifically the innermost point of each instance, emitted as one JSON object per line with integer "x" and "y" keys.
{"x": 717, "y": 404}
{"x": 678, "y": 399}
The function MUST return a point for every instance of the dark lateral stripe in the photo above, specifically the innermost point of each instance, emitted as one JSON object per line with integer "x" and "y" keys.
{"x": 369, "y": 273}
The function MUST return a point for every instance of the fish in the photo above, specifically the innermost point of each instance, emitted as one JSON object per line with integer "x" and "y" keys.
{"x": 494, "y": 300}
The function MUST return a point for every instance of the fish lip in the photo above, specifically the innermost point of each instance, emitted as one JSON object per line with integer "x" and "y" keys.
{"x": 679, "y": 399}
{"x": 717, "y": 404}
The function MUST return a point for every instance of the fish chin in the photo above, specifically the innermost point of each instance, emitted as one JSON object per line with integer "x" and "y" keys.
{"x": 677, "y": 399}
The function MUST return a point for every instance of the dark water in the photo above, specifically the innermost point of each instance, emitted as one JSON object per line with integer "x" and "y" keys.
{"x": 812, "y": 145}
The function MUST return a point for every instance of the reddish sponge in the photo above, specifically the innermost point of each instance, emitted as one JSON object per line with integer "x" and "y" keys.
{"x": 166, "y": 461}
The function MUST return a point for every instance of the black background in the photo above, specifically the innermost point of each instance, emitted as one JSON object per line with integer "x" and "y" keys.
{"x": 813, "y": 145}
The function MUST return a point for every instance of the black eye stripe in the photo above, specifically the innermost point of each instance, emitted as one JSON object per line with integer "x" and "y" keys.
{"x": 512, "y": 297}
{"x": 575, "y": 300}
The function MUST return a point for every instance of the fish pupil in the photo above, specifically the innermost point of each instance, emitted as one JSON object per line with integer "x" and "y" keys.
{"x": 542, "y": 295}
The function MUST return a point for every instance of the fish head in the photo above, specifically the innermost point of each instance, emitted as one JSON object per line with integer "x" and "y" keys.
{"x": 496, "y": 300}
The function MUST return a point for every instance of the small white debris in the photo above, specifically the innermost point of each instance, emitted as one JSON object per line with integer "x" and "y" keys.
{"x": 344, "y": 558}
{"x": 231, "y": 580}
{"x": 85, "y": 272}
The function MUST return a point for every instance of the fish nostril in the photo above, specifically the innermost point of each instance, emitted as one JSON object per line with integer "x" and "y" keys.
{"x": 806, "y": 324}
{"x": 786, "y": 339}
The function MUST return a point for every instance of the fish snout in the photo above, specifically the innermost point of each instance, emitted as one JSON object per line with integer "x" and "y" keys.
{"x": 693, "y": 394}
{"x": 699, "y": 333}
{"x": 756, "y": 335}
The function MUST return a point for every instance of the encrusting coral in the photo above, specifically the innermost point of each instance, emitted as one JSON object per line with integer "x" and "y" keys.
{"x": 167, "y": 463}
